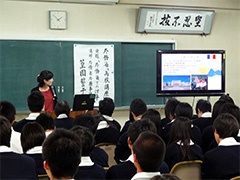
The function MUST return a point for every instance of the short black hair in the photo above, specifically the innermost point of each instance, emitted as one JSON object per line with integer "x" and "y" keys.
{"x": 7, "y": 110}
{"x": 46, "y": 121}
{"x": 137, "y": 127}
{"x": 153, "y": 115}
{"x": 32, "y": 135}
{"x": 5, "y": 131}
{"x": 62, "y": 152}
{"x": 138, "y": 107}
{"x": 35, "y": 101}
{"x": 203, "y": 106}
{"x": 106, "y": 106}
{"x": 231, "y": 109}
{"x": 62, "y": 107}
{"x": 170, "y": 107}
{"x": 86, "y": 137}
{"x": 226, "y": 125}
{"x": 86, "y": 120}
{"x": 149, "y": 149}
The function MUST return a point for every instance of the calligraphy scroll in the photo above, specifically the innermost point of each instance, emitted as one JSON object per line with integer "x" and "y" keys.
{"x": 94, "y": 70}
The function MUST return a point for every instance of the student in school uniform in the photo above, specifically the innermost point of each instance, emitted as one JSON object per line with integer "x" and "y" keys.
{"x": 203, "y": 110}
{"x": 47, "y": 122}
{"x": 137, "y": 108}
{"x": 62, "y": 111}
{"x": 35, "y": 104}
{"x": 222, "y": 162}
{"x": 13, "y": 165}
{"x": 8, "y": 110}
{"x": 45, "y": 81}
{"x": 148, "y": 154}
{"x": 98, "y": 155}
{"x": 181, "y": 146}
{"x": 126, "y": 169}
{"x": 183, "y": 109}
{"x": 32, "y": 137}
{"x": 87, "y": 168}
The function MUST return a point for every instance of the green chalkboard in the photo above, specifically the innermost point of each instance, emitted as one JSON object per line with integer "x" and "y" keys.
{"x": 22, "y": 60}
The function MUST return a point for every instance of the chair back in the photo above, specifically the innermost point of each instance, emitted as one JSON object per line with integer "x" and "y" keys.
{"x": 235, "y": 178}
{"x": 43, "y": 177}
{"x": 187, "y": 170}
{"x": 109, "y": 148}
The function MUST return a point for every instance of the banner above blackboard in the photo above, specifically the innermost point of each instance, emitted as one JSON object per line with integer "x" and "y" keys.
{"x": 174, "y": 21}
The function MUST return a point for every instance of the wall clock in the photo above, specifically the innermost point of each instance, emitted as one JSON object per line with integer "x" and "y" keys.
{"x": 58, "y": 19}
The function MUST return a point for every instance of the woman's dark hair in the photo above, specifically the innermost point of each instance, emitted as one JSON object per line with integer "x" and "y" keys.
{"x": 216, "y": 108}
{"x": 184, "y": 109}
{"x": 32, "y": 135}
{"x": 181, "y": 132}
{"x": 45, "y": 74}
{"x": 170, "y": 107}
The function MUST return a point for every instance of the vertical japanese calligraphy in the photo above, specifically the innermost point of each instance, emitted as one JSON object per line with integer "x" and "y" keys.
{"x": 94, "y": 70}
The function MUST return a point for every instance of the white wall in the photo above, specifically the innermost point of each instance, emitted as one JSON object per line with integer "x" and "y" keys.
{"x": 29, "y": 20}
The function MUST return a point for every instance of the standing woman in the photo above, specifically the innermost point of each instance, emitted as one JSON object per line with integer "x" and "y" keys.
{"x": 45, "y": 80}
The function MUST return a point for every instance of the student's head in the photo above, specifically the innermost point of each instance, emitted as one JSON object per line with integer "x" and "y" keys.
{"x": 106, "y": 106}
{"x": 225, "y": 125}
{"x": 137, "y": 127}
{"x": 165, "y": 177}
{"x": 46, "y": 121}
{"x": 227, "y": 98}
{"x": 181, "y": 130}
{"x": 32, "y": 135}
{"x": 231, "y": 109}
{"x": 62, "y": 107}
{"x": 216, "y": 108}
{"x": 86, "y": 137}
{"x": 45, "y": 77}
{"x": 61, "y": 153}
{"x": 5, "y": 131}
{"x": 203, "y": 106}
{"x": 148, "y": 152}
{"x": 184, "y": 109}
{"x": 35, "y": 101}
{"x": 137, "y": 108}
{"x": 86, "y": 120}
{"x": 170, "y": 108}
{"x": 153, "y": 115}
{"x": 8, "y": 110}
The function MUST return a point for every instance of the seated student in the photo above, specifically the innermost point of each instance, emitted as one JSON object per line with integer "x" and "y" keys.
{"x": 181, "y": 147}
{"x": 126, "y": 170}
{"x": 203, "y": 110}
{"x": 61, "y": 153}
{"x": 8, "y": 110}
{"x": 13, "y": 165}
{"x": 47, "y": 122}
{"x": 169, "y": 111}
{"x": 35, "y": 105}
{"x": 183, "y": 109}
{"x": 106, "y": 108}
{"x": 209, "y": 133}
{"x": 32, "y": 137}
{"x": 155, "y": 117}
{"x": 62, "y": 110}
{"x": 137, "y": 108}
{"x": 98, "y": 155}
{"x": 87, "y": 168}
{"x": 222, "y": 162}
{"x": 148, "y": 154}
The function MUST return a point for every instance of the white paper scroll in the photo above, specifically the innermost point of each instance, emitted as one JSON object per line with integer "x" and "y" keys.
{"x": 94, "y": 70}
